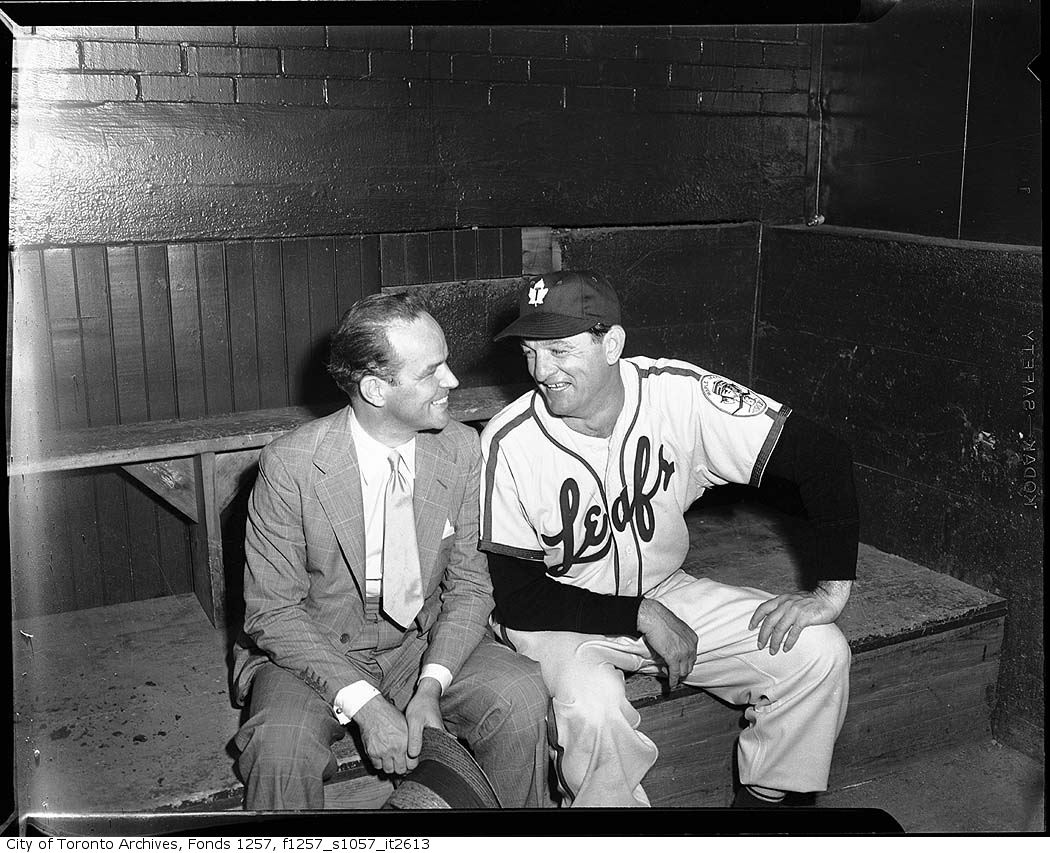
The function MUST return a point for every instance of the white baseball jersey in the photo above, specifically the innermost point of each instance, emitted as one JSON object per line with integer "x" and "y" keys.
{"x": 605, "y": 514}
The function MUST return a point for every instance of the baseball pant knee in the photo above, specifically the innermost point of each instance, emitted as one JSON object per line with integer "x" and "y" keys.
{"x": 600, "y": 756}
{"x": 825, "y": 651}
{"x": 791, "y": 743}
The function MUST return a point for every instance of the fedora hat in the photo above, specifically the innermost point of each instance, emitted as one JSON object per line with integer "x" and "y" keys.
{"x": 446, "y": 777}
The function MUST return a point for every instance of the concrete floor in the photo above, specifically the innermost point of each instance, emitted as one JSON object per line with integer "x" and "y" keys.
{"x": 977, "y": 788}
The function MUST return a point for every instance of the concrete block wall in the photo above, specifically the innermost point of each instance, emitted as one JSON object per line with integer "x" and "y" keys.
{"x": 668, "y": 68}
{"x": 151, "y": 133}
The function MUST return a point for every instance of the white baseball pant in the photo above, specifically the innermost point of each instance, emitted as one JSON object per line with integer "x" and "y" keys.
{"x": 796, "y": 700}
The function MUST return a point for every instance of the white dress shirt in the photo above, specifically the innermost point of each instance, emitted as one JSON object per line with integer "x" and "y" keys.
{"x": 375, "y": 473}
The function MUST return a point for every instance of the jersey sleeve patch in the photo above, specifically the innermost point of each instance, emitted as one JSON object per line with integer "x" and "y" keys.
{"x": 730, "y": 398}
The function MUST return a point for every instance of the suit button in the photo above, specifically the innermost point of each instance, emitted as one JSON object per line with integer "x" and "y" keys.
{"x": 344, "y": 638}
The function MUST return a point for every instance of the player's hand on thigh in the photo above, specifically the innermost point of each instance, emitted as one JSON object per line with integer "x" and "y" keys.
{"x": 783, "y": 618}
{"x": 384, "y": 734}
{"x": 671, "y": 640}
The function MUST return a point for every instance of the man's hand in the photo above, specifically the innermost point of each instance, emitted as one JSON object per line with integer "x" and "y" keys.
{"x": 670, "y": 639}
{"x": 783, "y": 618}
{"x": 423, "y": 710}
{"x": 384, "y": 733}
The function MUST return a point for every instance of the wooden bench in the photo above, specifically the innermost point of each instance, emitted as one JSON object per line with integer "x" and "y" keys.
{"x": 126, "y": 708}
{"x": 198, "y": 466}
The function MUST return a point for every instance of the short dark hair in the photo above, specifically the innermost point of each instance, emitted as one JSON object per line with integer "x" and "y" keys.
{"x": 599, "y": 331}
{"x": 360, "y": 346}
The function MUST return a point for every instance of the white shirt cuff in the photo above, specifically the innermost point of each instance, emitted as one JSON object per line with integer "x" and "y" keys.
{"x": 438, "y": 672}
{"x": 351, "y": 698}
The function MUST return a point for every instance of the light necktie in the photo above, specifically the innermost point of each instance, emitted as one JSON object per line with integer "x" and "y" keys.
{"x": 402, "y": 581}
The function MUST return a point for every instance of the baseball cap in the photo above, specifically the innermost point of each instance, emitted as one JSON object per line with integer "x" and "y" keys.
{"x": 562, "y": 304}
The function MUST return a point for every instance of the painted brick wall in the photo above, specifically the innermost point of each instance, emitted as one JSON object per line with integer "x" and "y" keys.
{"x": 251, "y": 64}
{"x": 192, "y": 133}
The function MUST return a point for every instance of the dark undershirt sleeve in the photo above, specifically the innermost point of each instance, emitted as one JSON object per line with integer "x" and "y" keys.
{"x": 529, "y": 600}
{"x": 820, "y": 465}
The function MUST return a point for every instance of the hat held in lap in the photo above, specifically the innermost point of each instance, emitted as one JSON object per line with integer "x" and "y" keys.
{"x": 447, "y": 777}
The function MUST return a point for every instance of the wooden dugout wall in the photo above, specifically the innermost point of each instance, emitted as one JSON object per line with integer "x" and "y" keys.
{"x": 103, "y": 335}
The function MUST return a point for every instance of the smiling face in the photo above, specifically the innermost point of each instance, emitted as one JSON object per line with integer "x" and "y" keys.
{"x": 578, "y": 376}
{"x": 417, "y": 399}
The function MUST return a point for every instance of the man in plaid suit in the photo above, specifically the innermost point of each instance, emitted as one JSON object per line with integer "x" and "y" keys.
{"x": 320, "y": 645}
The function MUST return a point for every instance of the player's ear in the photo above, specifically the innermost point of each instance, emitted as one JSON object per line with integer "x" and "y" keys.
{"x": 613, "y": 343}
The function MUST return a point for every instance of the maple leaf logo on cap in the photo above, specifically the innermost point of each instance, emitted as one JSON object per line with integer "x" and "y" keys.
{"x": 537, "y": 293}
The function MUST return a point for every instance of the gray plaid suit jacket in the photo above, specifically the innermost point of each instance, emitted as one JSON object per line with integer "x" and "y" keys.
{"x": 304, "y": 576}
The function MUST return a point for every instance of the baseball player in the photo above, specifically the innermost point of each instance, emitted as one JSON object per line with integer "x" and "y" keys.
{"x": 585, "y": 484}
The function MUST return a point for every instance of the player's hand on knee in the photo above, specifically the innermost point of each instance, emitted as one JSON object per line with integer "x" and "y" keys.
{"x": 670, "y": 638}
{"x": 384, "y": 734}
{"x": 783, "y": 618}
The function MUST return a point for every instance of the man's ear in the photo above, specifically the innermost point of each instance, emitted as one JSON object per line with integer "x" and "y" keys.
{"x": 373, "y": 390}
{"x": 613, "y": 343}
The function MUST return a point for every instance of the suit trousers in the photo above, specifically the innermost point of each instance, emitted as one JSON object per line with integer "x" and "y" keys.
{"x": 796, "y": 700}
{"x": 497, "y": 703}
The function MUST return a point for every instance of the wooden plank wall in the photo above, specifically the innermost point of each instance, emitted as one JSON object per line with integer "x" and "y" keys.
{"x": 687, "y": 292}
{"x": 104, "y": 335}
{"x": 925, "y": 355}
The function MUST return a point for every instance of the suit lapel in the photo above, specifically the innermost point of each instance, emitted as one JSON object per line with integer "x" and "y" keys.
{"x": 339, "y": 492}
{"x": 434, "y": 470}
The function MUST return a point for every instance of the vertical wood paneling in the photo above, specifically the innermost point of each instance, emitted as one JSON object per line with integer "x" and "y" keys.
{"x": 66, "y": 349}
{"x": 324, "y": 305}
{"x": 128, "y": 350}
{"x": 244, "y": 352}
{"x": 510, "y": 251}
{"x": 392, "y": 258}
{"x": 465, "y": 245}
{"x": 295, "y": 266}
{"x": 156, "y": 330}
{"x": 348, "y": 277}
{"x": 114, "y": 551}
{"x": 417, "y": 259}
{"x": 122, "y": 334}
{"x": 324, "y": 314}
{"x": 269, "y": 324}
{"x": 442, "y": 256}
{"x": 489, "y": 253}
{"x": 42, "y": 567}
{"x": 96, "y": 334}
{"x": 371, "y": 271}
{"x": 81, "y": 525}
{"x": 33, "y": 401}
{"x": 358, "y": 269}
{"x": 186, "y": 331}
{"x": 146, "y": 578}
{"x": 215, "y": 344}
{"x": 175, "y": 561}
